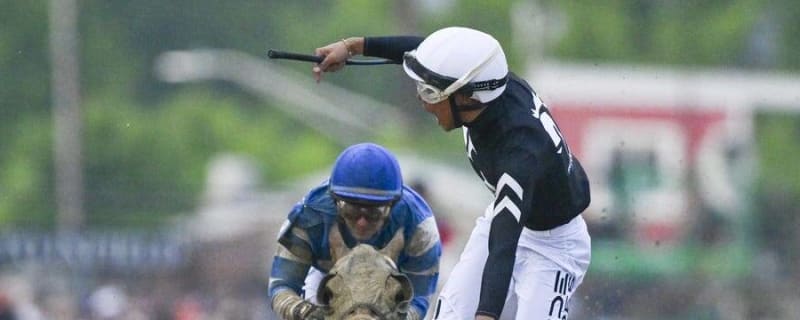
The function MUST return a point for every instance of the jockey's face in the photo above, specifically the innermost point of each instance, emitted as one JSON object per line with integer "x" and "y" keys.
{"x": 363, "y": 220}
{"x": 441, "y": 110}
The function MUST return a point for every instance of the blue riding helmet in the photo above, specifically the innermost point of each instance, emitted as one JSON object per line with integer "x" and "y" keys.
{"x": 368, "y": 173}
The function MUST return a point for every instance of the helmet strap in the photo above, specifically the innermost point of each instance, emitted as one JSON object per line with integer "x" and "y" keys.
{"x": 455, "y": 112}
{"x": 456, "y": 109}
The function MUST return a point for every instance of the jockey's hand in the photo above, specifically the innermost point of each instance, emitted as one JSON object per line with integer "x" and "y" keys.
{"x": 309, "y": 311}
{"x": 407, "y": 312}
{"x": 318, "y": 313}
{"x": 335, "y": 55}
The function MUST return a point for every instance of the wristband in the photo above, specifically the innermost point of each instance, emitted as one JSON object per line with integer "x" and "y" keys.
{"x": 347, "y": 47}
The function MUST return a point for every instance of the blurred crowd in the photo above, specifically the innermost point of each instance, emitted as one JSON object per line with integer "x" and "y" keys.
{"x": 26, "y": 296}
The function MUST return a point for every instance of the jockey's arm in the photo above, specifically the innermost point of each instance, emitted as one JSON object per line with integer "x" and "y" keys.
{"x": 290, "y": 266}
{"x": 422, "y": 266}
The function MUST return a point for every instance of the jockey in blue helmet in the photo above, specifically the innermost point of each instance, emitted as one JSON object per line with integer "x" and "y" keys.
{"x": 365, "y": 182}
{"x": 364, "y": 201}
{"x": 367, "y": 173}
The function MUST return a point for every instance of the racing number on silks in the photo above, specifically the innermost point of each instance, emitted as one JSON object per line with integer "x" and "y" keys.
{"x": 547, "y": 122}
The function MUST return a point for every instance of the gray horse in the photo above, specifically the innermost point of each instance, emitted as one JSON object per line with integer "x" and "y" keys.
{"x": 365, "y": 285}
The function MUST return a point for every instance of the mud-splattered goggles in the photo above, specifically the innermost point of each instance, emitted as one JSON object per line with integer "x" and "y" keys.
{"x": 354, "y": 211}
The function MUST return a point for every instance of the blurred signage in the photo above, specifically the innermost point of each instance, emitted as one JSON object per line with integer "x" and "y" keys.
{"x": 670, "y": 154}
{"x": 109, "y": 250}
{"x": 669, "y": 187}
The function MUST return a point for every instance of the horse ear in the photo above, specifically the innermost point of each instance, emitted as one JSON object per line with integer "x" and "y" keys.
{"x": 324, "y": 293}
{"x": 394, "y": 247}
{"x": 338, "y": 248}
{"x": 406, "y": 291}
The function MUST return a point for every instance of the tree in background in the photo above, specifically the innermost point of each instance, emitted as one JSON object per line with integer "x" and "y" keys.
{"x": 147, "y": 142}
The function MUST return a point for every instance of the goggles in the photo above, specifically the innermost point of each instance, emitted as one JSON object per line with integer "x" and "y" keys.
{"x": 353, "y": 211}
{"x": 430, "y": 88}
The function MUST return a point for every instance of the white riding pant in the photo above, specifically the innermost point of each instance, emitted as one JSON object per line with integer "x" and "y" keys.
{"x": 549, "y": 266}
{"x": 311, "y": 285}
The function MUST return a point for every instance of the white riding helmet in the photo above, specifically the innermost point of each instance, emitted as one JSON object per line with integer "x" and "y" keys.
{"x": 462, "y": 55}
